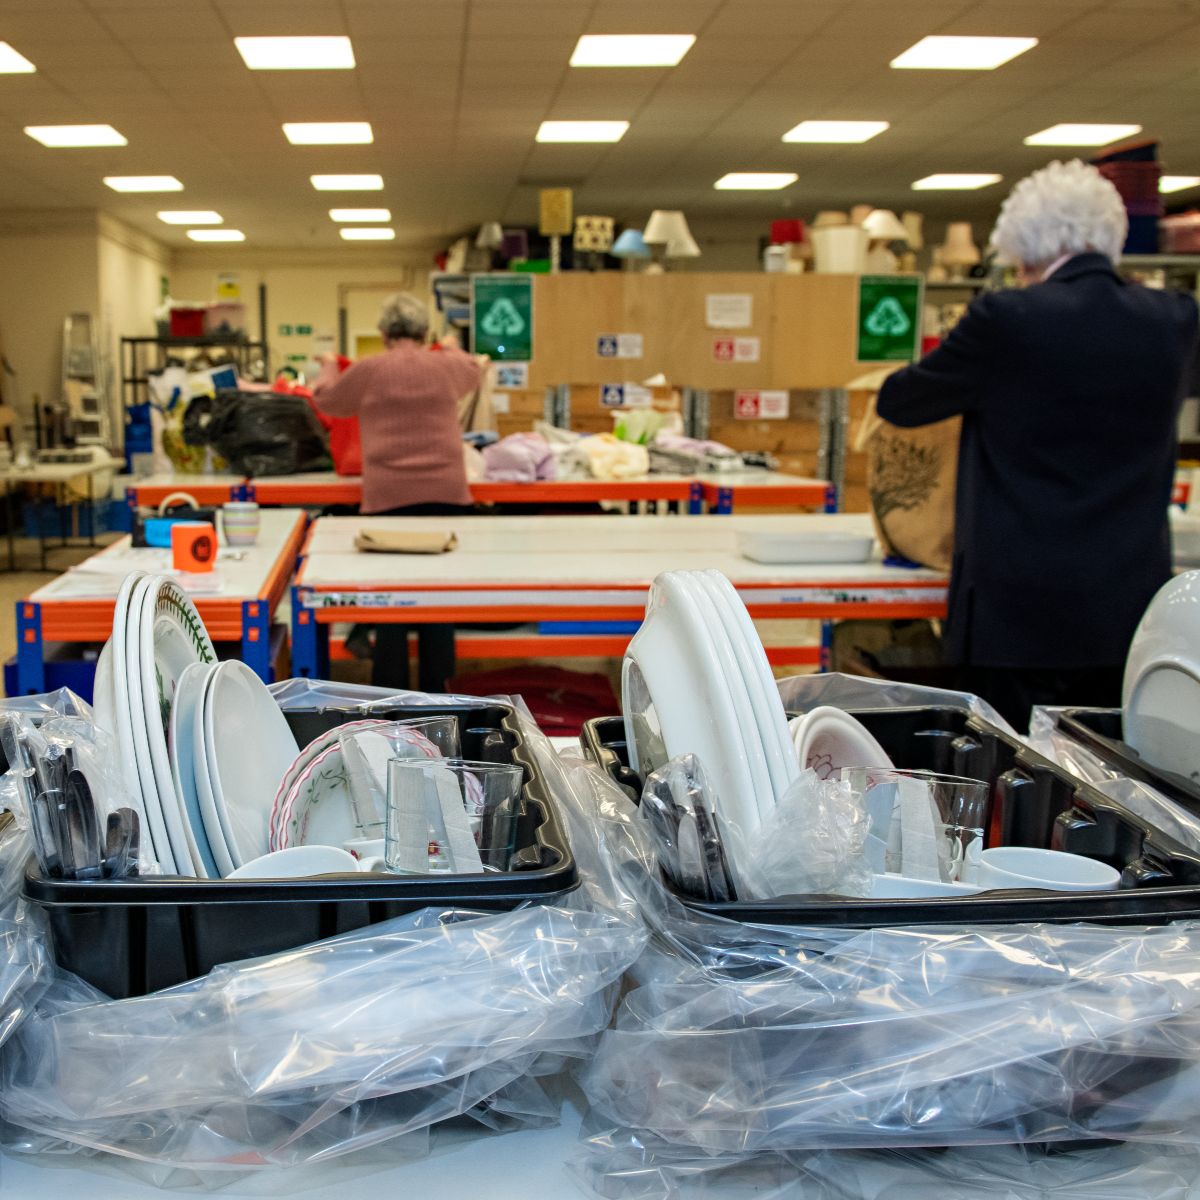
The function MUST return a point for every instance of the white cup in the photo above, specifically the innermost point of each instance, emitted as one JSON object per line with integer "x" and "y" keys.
{"x": 1051, "y": 870}
{"x": 240, "y": 521}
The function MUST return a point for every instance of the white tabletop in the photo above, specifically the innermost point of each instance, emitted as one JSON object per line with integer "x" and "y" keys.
{"x": 240, "y": 573}
{"x": 58, "y": 472}
{"x": 583, "y": 550}
{"x": 176, "y": 481}
{"x": 760, "y": 478}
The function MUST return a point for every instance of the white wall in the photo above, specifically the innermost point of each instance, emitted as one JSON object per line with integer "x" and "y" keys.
{"x": 131, "y": 268}
{"x": 48, "y": 268}
{"x": 302, "y": 288}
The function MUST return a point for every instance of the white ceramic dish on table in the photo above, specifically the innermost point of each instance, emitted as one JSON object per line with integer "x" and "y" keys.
{"x": 205, "y": 793}
{"x": 121, "y": 713}
{"x": 1161, "y": 689}
{"x": 811, "y": 546}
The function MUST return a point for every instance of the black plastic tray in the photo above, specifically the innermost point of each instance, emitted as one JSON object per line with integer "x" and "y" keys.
{"x": 1101, "y": 730}
{"x": 133, "y": 936}
{"x": 1033, "y": 803}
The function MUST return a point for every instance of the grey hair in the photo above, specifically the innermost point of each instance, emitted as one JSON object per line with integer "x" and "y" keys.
{"x": 1065, "y": 208}
{"x": 404, "y": 316}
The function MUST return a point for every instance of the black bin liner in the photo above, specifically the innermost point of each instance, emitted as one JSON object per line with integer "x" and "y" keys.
{"x": 259, "y": 433}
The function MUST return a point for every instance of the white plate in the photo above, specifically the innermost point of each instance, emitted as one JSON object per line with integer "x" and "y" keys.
{"x": 319, "y": 810}
{"x": 815, "y": 546}
{"x": 210, "y": 815}
{"x": 249, "y": 747}
{"x": 720, "y": 649}
{"x": 173, "y": 638}
{"x": 298, "y": 863}
{"x": 285, "y": 795}
{"x": 769, "y": 712}
{"x": 181, "y": 749}
{"x": 103, "y": 699}
{"x": 122, "y": 718}
{"x": 828, "y": 739}
{"x": 674, "y": 701}
{"x": 1161, "y": 691}
{"x": 151, "y": 801}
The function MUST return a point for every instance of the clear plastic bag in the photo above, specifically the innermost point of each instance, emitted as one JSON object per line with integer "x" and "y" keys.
{"x": 746, "y": 1047}
{"x": 1139, "y": 798}
{"x": 368, "y": 1039}
{"x": 803, "y": 692}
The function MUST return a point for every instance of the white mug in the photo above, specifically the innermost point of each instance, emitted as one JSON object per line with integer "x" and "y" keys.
{"x": 1051, "y": 870}
{"x": 240, "y": 521}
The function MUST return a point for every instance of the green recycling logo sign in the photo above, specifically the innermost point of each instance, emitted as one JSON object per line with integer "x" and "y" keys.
{"x": 887, "y": 319}
{"x": 889, "y": 312}
{"x": 502, "y": 317}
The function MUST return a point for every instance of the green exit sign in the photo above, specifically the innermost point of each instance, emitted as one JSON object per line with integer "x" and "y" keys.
{"x": 286, "y": 331}
{"x": 304, "y": 330}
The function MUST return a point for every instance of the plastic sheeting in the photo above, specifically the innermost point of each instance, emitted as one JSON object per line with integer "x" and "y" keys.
{"x": 803, "y": 692}
{"x": 369, "y": 1039}
{"x": 739, "y": 1047}
{"x": 1140, "y": 798}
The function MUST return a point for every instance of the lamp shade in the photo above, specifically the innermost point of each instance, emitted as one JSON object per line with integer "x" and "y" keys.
{"x": 684, "y": 246}
{"x": 665, "y": 225}
{"x": 884, "y": 226}
{"x": 913, "y": 222}
{"x": 959, "y": 249}
{"x": 593, "y": 234}
{"x": 829, "y": 218}
{"x": 787, "y": 231}
{"x": 490, "y": 236}
{"x": 631, "y": 244}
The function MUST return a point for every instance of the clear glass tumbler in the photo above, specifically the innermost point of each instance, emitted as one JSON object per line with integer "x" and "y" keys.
{"x": 451, "y": 815}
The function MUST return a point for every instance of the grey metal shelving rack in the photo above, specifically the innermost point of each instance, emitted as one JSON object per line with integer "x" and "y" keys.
{"x": 141, "y": 355}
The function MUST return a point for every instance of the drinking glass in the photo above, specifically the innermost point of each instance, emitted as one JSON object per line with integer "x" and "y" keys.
{"x": 451, "y": 815}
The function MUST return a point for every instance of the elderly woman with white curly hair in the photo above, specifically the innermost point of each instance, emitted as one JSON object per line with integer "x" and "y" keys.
{"x": 1069, "y": 389}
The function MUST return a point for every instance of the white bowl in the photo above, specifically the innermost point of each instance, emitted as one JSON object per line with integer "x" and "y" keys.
{"x": 823, "y": 546}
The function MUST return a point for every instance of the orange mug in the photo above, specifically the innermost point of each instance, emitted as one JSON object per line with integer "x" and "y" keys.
{"x": 193, "y": 546}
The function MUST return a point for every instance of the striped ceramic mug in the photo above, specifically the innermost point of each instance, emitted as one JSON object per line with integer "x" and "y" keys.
{"x": 240, "y": 522}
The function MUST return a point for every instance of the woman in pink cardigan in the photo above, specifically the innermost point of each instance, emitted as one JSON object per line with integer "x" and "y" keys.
{"x": 406, "y": 401}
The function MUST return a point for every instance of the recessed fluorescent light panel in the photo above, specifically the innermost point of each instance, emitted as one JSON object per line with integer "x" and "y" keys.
{"x": 296, "y": 53}
{"x": 61, "y": 137}
{"x": 371, "y": 233}
{"x": 962, "y": 53}
{"x": 347, "y": 183}
{"x": 360, "y": 214}
{"x": 582, "y": 131}
{"x": 755, "y": 181}
{"x": 835, "y": 131}
{"x": 1081, "y": 135}
{"x": 216, "y": 235}
{"x": 12, "y": 63}
{"x": 954, "y": 183}
{"x": 143, "y": 183}
{"x": 631, "y": 49}
{"x": 328, "y": 133}
{"x": 1177, "y": 183}
{"x": 183, "y": 216}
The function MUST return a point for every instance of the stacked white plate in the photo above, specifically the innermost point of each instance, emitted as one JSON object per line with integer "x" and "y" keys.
{"x": 696, "y": 680}
{"x": 203, "y": 745}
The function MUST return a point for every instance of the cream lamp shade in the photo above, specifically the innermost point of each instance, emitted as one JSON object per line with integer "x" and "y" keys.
{"x": 490, "y": 236}
{"x": 884, "y": 226}
{"x": 669, "y": 228}
{"x": 912, "y": 222}
{"x": 859, "y": 213}
{"x": 826, "y": 219}
{"x": 959, "y": 249}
